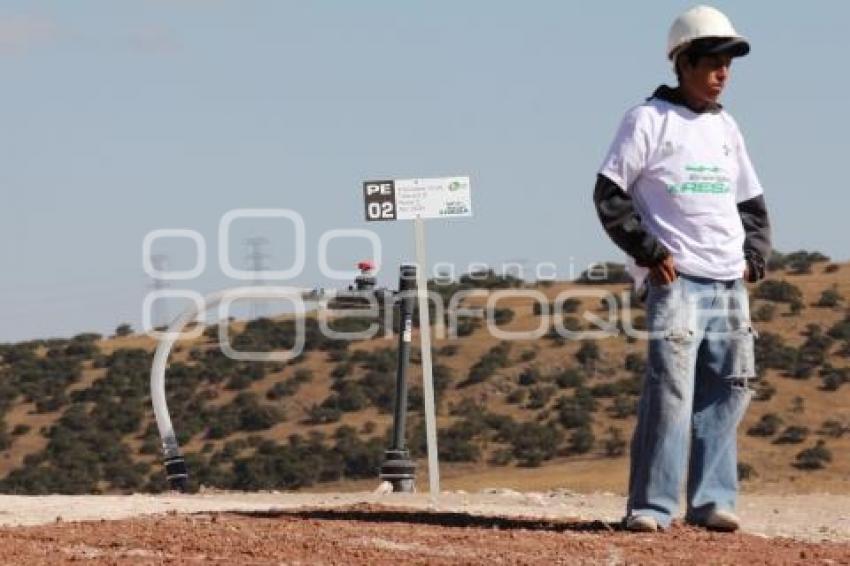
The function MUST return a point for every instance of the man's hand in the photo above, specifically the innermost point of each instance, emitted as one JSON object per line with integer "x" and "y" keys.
{"x": 663, "y": 272}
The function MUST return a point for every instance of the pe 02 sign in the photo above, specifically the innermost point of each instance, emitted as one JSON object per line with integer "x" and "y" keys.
{"x": 407, "y": 199}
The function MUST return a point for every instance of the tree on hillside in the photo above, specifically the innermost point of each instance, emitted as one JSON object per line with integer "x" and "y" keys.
{"x": 123, "y": 330}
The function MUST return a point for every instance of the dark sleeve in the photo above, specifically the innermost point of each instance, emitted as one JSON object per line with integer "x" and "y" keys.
{"x": 622, "y": 223}
{"x": 757, "y": 241}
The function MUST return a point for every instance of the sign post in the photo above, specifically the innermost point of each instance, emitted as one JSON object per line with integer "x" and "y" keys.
{"x": 417, "y": 199}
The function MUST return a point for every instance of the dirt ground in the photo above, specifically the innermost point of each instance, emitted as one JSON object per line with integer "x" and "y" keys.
{"x": 490, "y": 526}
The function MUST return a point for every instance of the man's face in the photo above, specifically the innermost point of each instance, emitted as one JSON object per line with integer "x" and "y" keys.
{"x": 707, "y": 79}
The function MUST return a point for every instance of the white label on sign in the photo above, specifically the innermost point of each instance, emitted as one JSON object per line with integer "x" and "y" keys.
{"x": 406, "y": 199}
{"x": 432, "y": 198}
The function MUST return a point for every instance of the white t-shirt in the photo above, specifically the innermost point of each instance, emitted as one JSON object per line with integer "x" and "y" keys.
{"x": 686, "y": 172}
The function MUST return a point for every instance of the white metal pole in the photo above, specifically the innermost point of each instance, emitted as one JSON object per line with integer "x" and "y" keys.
{"x": 427, "y": 370}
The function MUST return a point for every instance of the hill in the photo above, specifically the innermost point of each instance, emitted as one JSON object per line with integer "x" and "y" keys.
{"x": 529, "y": 413}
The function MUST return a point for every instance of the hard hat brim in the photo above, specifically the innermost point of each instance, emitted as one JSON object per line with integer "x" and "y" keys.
{"x": 734, "y": 46}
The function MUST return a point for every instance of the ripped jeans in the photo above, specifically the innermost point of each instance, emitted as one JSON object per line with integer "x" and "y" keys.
{"x": 694, "y": 395}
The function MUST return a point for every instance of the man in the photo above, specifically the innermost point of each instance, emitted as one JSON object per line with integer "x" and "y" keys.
{"x": 678, "y": 194}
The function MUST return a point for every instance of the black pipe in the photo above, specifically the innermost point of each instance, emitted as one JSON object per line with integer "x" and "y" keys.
{"x": 398, "y": 468}
{"x": 177, "y": 474}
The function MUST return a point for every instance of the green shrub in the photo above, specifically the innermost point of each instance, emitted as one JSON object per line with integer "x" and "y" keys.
{"x": 746, "y": 471}
{"x": 466, "y": 326}
{"x": 495, "y": 358}
{"x": 244, "y": 413}
{"x": 455, "y": 443}
{"x": 764, "y": 312}
{"x": 768, "y": 425}
{"x": 321, "y": 414}
{"x": 273, "y": 466}
{"x": 833, "y": 428}
{"x": 82, "y": 456}
{"x": 349, "y": 397}
{"x": 517, "y": 396}
{"x": 811, "y": 354}
{"x": 528, "y": 355}
{"x": 800, "y": 262}
{"x": 570, "y": 377}
{"x": 581, "y": 440}
{"x": 792, "y": 435}
{"x": 614, "y": 443}
{"x": 604, "y": 390}
{"x": 795, "y": 307}
{"x": 833, "y": 378}
{"x": 572, "y": 413}
{"x": 797, "y": 262}
{"x": 529, "y": 376}
{"x": 635, "y": 363}
{"x": 283, "y": 388}
{"x": 841, "y": 330}
{"x": 502, "y": 316}
{"x": 778, "y": 291}
{"x": 341, "y": 370}
{"x": 359, "y": 459}
{"x": 87, "y": 337}
{"x": 501, "y": 457}
{"x": 829, "y": 298}
{"x": 624, "y": 406}
{"x": 381, "y": 360}
{"x": 539, "y": 395}
{"x": 489, "y": 279}
{"x": 21, "y": 429}
{"x": 379, "y": 388}
{"x": 533, "y": 443}
{"x": 588, "y": 353}
{"x": 814, "y": 458}
{"x": 604, "y": 273}
{"x": 772, "y": 352}
{"x": 764, "y": 391}
{"x": 568, "y": 305}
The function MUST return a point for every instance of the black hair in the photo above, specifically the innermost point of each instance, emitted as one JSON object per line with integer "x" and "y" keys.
{"x": 696, "y": 50}
{"x": 693, "y": 54}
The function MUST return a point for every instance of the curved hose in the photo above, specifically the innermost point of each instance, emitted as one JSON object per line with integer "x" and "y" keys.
{"x": 175, "y": 465}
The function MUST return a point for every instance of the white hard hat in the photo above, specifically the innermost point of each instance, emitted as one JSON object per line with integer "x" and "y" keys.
{"x": 705, "y": 23}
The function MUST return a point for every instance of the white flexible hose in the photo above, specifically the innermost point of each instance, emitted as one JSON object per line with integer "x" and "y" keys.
{"x": 170, "y": 446}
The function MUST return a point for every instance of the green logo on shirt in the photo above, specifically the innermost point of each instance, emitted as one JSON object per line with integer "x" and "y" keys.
{"x": 699, "y": 187}
{"x": 702, "y": 179}
{"x": 702, "y": 169}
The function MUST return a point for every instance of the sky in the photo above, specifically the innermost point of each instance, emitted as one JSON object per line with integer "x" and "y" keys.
{"x": 119, "y": 118}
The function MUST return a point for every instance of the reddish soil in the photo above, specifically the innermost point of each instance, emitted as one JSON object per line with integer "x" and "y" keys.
{"x": 371, "y": 534}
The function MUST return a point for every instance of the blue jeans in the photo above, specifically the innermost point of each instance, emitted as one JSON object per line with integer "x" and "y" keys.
{"x": 694, "y": 396}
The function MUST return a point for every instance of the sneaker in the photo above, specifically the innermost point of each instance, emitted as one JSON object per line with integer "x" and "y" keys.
{"x": 641, "y": 524}
{"x": 725, "y": 521}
